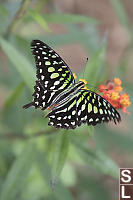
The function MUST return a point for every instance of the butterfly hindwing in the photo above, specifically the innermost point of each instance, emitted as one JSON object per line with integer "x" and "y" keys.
{"x": 85, "y": 107}
{"x": 64, "y": 116}
{"x": 94, "y": 109}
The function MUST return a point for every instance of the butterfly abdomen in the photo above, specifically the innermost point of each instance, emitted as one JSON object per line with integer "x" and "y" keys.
{"x": 28, "y": 105}
{"x": 67, "y": 94}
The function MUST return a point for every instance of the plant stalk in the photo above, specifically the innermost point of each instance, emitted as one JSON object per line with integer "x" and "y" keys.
{"x": 16, "y": 19}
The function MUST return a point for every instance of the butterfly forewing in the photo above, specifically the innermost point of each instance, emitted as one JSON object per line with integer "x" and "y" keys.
{"x": 53, "y": 75}
{"x": 52, "y": 71}
{"x": 43, "y": 98}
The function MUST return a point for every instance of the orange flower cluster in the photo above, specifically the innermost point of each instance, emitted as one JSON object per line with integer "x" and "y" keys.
{"x": 112, "y": 93}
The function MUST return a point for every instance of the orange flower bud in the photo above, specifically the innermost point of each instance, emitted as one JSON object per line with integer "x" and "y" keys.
{"x": 117, "y": 81}
{"x": 107, "y": 94}
{"x": 112, "y": 93}
{"x": 110, "y": 85}
{"x": 125, "y": 102}
{"x": 117, "y": 88}
{"x": 115, "y": 95}
{"x": 125, "y": 96}
{"x": 116, "y": 104}
{"x": 102, "y": 88}
{"x": 124, "y": 109}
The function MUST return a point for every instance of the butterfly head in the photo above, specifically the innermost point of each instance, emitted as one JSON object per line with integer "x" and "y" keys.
{"x": 80, "y": 85}
{"x": 83, "y": 83}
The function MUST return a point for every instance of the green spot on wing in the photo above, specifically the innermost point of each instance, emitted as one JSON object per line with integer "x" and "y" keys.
{"x": 54, "y": 75}
{"x": 63, "y": 86}
{"x": 93, "y": 100}
{"x": 95, "y": 109}
{"x": 51, "y": 69}
{"x": 69, "y": 77}
{"x": 85, "y": 93}
{"x": 88, "y": 98}
{"x": 105, "y": 111}
{"x": 47, "y": 63}
{"x": 73, "y": 103}
{"x": 109, "y": 112}
{"x": 79, "y": 100}
{"x": 101, "y": 111}
{"x": 89, "y": 107}
{"x": 99, "y": 104}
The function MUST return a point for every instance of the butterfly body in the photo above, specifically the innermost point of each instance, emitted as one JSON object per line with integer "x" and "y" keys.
{"x": 67, "y": 94}
{"x": 70, "y": 105}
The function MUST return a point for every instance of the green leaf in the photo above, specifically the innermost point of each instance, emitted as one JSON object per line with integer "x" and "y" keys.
{"x": 91, "y": 131}
{"x": 93, "y": 187}
{"x": 97, "y": 159}
{"x": 69, "y": 18}
{"x": 123, "y": 16}
{"x": 21, "y": 64}
{"x": 68, "y": 175}
{"x": 60, "y": 192}
{"x": 94, "y": 65}
{"x": 120, "y": 141}
{"x": 12, "y": 98}
{"x": 117, "y": 4}
{"x": 60, "y": 152}
{"x": 17, "y": 174}
{"x": 86, "y": 38}
{"x": 4, "y": 18}
{"x": 3, "y": 11}
{"x": 39, "y": 19}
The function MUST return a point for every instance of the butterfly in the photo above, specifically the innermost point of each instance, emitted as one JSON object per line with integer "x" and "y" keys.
{"x": 69, "y": 103}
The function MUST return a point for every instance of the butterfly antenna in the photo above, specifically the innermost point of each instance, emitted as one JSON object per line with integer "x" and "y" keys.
{"x": 85, "y": 67}
{"x": 91, "y": 86}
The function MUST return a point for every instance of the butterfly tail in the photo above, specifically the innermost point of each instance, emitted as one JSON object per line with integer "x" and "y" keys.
{"x": 28, "y": 105}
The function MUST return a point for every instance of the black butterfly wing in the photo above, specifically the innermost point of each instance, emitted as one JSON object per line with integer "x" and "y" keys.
{"x": 53, "y": 78}
{"x": 86, "y": 106}
{"x": 53, "y": 75}
{"x": 94, "y": 109}
{"x": 52, "y": 72}
{"x": 43, "y": 98}
{"x": 65, "y": 115}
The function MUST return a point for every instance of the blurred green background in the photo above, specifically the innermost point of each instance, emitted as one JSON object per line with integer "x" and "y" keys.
{"x": 39, "y": 162}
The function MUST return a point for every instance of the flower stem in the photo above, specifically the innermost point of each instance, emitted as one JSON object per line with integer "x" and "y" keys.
{"x": 24, "y": 4}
